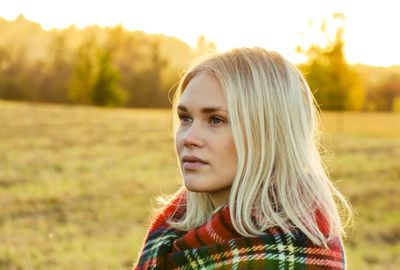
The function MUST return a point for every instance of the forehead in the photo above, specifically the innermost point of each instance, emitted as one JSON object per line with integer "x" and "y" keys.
{"x": 203, "y": 90}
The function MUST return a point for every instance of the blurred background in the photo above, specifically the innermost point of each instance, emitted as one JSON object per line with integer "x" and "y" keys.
{"x": 85, "y": 125}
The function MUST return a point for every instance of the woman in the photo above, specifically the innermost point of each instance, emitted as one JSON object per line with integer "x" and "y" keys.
{"x": 255, "y": 193}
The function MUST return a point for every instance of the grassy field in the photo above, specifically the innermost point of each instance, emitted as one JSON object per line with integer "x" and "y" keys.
{"x": 77, "y": 184}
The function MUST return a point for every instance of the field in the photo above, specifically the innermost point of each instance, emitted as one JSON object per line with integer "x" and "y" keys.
{"x": 77, "y": 184}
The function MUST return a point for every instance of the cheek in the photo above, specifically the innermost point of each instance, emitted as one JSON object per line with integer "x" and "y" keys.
{"x": 233, "y": 153}
{"x": 230, "y": 146}
{"x": 228, "y": 151}
{"x": 233, "y": 160}
{"x": 178, "y": 140}
{"x": 233, "y": 163}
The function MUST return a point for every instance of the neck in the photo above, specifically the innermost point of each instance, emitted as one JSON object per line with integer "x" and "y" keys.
{"x": 220, "y": 197}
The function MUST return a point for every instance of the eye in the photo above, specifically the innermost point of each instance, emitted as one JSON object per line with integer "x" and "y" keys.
{"x": 216, "y": 120}
{"x": 184, "y": 118}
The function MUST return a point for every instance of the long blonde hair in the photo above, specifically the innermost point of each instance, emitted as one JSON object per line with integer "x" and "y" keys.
{"x": 280, "y": 178}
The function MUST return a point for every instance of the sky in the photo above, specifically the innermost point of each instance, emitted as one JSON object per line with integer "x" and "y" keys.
{"x": 371, "y": 27}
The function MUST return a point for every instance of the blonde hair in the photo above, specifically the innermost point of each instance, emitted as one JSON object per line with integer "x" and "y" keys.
{"x": 280, "y": 179}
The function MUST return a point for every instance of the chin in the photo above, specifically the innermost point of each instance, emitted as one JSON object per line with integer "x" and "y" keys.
{"x": 193, "y": 186}
{"x": 202, "y": 189}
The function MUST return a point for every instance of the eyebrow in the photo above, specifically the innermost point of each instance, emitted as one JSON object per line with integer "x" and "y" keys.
{"x": 203, "y": 110}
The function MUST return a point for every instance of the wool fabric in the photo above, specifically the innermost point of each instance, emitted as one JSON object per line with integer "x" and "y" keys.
{"x": 217, "y": 245}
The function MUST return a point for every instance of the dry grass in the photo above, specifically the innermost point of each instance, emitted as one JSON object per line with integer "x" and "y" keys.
{"x": 77, "y": 183}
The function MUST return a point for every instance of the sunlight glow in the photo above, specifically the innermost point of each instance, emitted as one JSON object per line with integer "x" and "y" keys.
{"x": 276, "y": 25}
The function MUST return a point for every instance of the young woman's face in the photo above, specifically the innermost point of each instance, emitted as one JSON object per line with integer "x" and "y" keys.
{"x": 204, "y": 140}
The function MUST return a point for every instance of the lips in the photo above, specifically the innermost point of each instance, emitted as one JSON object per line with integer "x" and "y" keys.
{"x": 193, "y": 163}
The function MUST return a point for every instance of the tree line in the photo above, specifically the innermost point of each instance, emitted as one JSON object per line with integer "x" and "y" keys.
{"x": 110, "y": 66}
{"x": 98, "y": 66}
{"x": 336, "y": 85}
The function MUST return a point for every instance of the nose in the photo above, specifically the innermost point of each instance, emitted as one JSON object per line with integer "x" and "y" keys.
{"x": 193, "y": 137}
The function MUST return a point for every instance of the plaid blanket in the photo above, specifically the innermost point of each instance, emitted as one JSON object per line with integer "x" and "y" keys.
{"x": 216, "y": 245}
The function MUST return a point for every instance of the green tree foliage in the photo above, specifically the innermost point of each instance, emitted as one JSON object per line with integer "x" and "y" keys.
{"x": 94, "y": 79}
{"x": 336, "y": 86}
{"x": 84, "y": 73}
{"x": 106, "y": 91}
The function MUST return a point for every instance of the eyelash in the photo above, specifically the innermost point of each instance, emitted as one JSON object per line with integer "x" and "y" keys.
{"x": 216, "y": 118}
{"x": 220, "y": 120}
{"x": 182, "y": 117}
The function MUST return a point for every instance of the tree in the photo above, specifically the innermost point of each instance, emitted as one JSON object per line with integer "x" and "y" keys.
{"x": 106, "y": 91}
{"x": 335, "y": 85}
{"x": 14, "y": 82}
{"x": 90, "y": 65}
{"x": 94, "y": 79}
{"x": 84, "y": 73}
{"x": 54, "y": 87}
{"x": 388, "y": 94}
{"x": 160, "y": 98}
{"x": 203, "y": 46}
